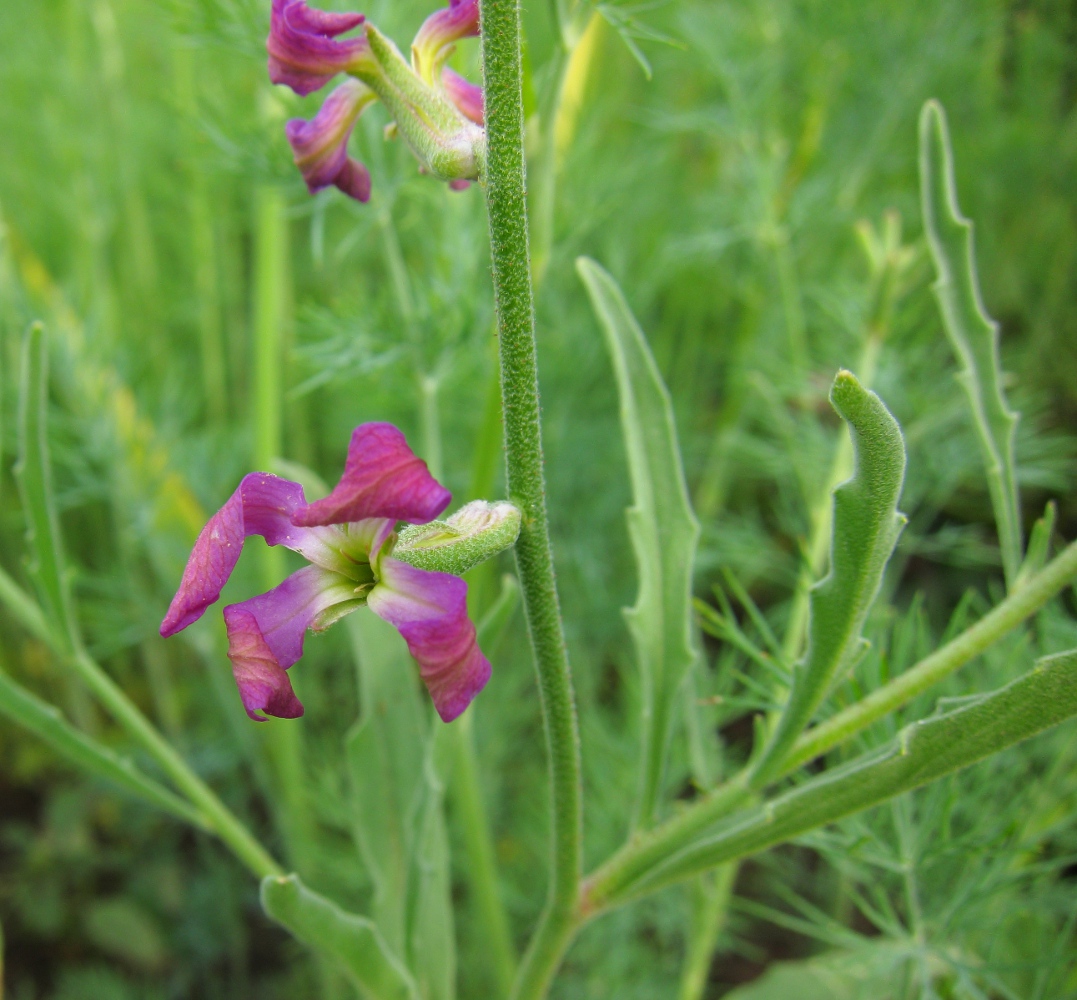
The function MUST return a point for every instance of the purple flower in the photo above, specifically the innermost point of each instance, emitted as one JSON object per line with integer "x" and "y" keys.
{"x": 302, "y": 45}
{"x": 320, "y": 146}
{"x": 347, "y": 538}
{"x": 465, "y": 95}
{"x": 433, "y": 43}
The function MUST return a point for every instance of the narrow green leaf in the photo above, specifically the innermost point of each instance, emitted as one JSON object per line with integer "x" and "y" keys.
{"x": 973, "y": 334}
{"x": 45, "y": 721}
{"x": 866, "y": 525}
{"x": 1039, "y": 544}
{"x": 431, "y": 944}
{"x": 923, "y": 752}
{"x": 353, "y": 940}
{"x": 34, "y": 475}
{"x": 661, "y": 524}
{"x": 470, "y": 815}
{"x": 398, "y": 808}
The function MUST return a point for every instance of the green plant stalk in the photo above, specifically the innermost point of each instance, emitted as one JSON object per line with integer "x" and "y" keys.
{"x": 713, "y": 892}
{"x": 283, "y": 739}
{"x": 644, "y": 853}
{"x": 482, "y": 878}
{"x": 230, "y": 830}
{"x": 922, "y": 752}
{"x": 506, "y": 206}
{"x": 469, "y": 806}
{"x": 938, "y": 665}
{"x": 45, "y": 721}
{"x": 647, "y": 850}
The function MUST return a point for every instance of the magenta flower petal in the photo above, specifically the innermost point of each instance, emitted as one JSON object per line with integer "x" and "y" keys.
{"x": 320, "y": 146}
{"x": 261, "y": 505}
{"x": 459, "y": 20}
{"x": 263, "y": 684}
{"x": 465, "y": 95}
{"x": 430, "y": 611}
{"x": 383, "y": 478}
{"x": 265, "y": 636}
{"x": 303, "y": 52}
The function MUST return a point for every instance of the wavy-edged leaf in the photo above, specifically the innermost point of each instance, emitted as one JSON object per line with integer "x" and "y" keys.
{"x": 34, "y": 475}
{"x": 47, "y": 723}
{"x": 972, "y": 332}
{"x": 661, "y": 524}
{"x": 866, "y": 525}
{"x": 353, "y": 940}
{"x": 921, "y": 753}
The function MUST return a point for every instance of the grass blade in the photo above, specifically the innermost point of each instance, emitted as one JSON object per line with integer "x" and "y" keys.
{"x": 923, "y": 752}
{"x": 353, "y": 940}
{"x": 661, "y": 524}
{"x": 45, "y": 721}
{"x": 973, "y": 334}
{"x": 866, "y": 528}
{"x": 34, "y": 474}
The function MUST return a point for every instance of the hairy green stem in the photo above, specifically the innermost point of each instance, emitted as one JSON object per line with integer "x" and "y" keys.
{"x": 940, "y": 664}
{"x": 217, "y": 815}
{"x": 506, "y": 205}
{"x": 604, "y": 887}
{"x": 611, "y": 884}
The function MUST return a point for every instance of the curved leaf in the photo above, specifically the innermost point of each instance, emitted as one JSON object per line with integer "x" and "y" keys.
{"x": 866, "y": 528}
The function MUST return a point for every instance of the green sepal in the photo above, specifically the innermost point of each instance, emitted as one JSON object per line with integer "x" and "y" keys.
{"x": 866, "y": 526}
{"x": 472, "y": 535}
{"x": 353, "y": 940}
{"x": 446, "y": 143}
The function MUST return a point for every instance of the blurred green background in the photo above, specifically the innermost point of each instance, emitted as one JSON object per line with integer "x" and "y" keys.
{"x": 151, "y": 216}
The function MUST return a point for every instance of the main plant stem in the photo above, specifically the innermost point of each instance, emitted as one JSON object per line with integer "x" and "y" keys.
{"x": 506, "y": 205}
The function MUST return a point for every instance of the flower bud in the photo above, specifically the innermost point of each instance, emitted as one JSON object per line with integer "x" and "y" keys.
{"x": 472, "y": 535}
{"x": 320, "y": 146}
{"x": 433, "y": 43}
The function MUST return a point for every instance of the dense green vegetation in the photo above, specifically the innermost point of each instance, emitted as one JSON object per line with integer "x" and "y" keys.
{"x": 747, "y": 172}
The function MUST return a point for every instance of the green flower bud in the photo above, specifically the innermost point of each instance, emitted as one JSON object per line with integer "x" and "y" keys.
{"x": 472, "y": 535}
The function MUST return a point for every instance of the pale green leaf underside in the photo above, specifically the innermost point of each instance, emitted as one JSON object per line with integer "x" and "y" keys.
{"x": 973, "y": 334}
{"x": 353, "y": 940}
{"x": 922, "y": 752}
{"x": 866, "y": 525}
{"x": 661, "y": 524}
